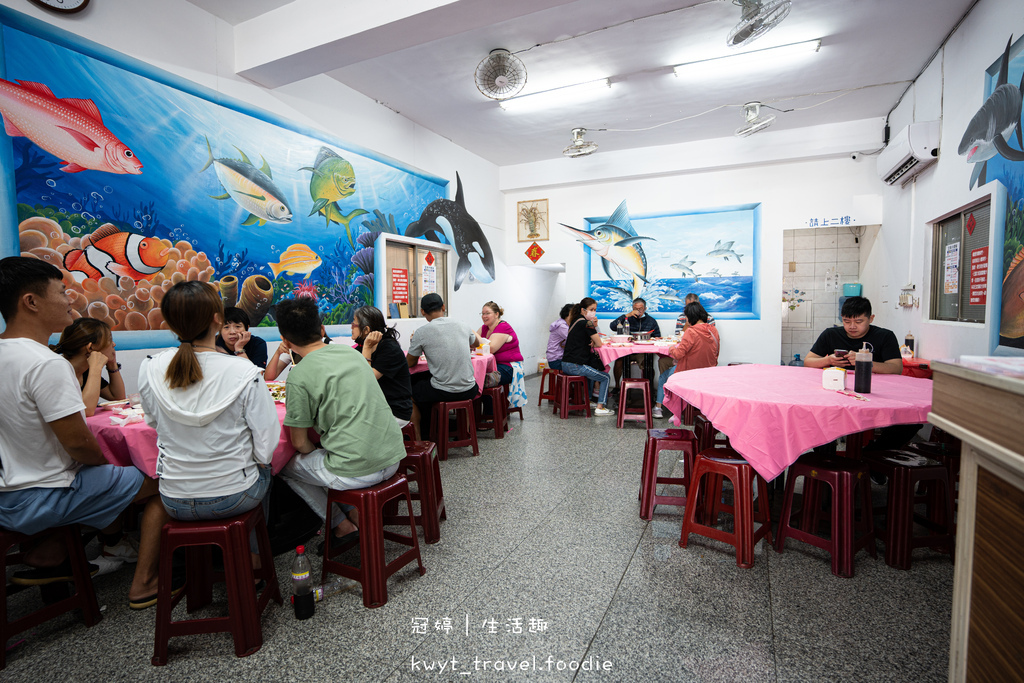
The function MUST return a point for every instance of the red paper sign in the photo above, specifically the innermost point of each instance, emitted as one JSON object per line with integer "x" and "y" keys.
{"x": 534, "y": 252}
{"x": 971, "y": 224}
{"x": 400, "y": 285}
{"x": 979, "y": 274}
{"x": 429, "y": 259}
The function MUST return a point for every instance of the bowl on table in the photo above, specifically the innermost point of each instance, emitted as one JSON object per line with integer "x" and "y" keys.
{"x": 620, "y": 338}
{"x": 642, "y": 336}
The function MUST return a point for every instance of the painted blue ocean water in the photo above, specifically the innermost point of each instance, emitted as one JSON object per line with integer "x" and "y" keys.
{"x": 725, "y": 297}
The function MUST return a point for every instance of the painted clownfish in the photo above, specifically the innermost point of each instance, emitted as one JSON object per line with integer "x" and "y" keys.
{"x": 114, "y": 253}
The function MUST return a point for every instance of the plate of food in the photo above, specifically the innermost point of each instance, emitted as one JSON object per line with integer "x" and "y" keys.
{"x": 110, "y": 404}
{"x": 277, "y": 391}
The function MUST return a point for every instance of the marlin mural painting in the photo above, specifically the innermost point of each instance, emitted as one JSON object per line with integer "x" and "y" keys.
{"x": 450, "y": 219}
{"x": 618, "y": 245}
{"x": 990, "y": 129}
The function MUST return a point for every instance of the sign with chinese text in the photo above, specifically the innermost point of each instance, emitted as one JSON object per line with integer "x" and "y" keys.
{"x": 534, "y": 252}
{"x": 400, "y": 285}
{"x": 952, "y": 280}
{"x": 979, "y": 275}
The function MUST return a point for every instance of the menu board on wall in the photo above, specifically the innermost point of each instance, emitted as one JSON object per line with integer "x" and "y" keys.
{"x": 979, "y": 276}
{"x": 952, "y": 280}
{"x": 400, "y": 285}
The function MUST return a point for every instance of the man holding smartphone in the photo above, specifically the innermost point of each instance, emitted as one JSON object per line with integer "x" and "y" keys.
{"x": 838, "y": 345}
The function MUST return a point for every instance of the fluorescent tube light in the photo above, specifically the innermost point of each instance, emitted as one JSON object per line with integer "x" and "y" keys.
{"x": 716, "y": 65}
{"x": 555, "y": 97}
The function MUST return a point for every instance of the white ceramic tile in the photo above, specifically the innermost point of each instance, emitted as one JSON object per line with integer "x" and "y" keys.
{"x": 821, "y": 268}
{"x": 804, "y": 338}
{"x": 787, "y": 337}
{"x": 803, "y": 255}
{"x": 804, "y": 240}
{"x": 846, "y": 239}
{"x": 849, "y": 268}
{"x": 822, "y": 241}
{"x": 848, "y": 254}
{"x": 825, "y": 255}
{"x": 832, "y": 232}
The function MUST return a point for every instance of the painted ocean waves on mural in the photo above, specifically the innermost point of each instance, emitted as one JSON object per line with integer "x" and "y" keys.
{"x": 263, "y": 212}
{"x": 711, "y": 253}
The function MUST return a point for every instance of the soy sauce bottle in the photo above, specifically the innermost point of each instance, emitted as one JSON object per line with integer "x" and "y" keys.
{"x": 862, "y": 371}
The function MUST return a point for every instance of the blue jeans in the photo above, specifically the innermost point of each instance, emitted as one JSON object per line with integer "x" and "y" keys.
{"x": 662, "y": 378}
{"x": 592, "y": 376}
{"x": 555, "y": 364}
{"x": 221, "y": 507}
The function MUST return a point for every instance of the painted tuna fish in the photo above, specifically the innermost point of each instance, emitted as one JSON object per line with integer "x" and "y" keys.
{"x": 333, "y": 180}
{"x": 990, "y": 129}
{"x": 252, "y": 188}
{"x": 114, "y": 253}
{"x": 298, "y": 258}
{"x": 618, "y": 245}
{"x": 724, "y": 250}
{"x": 70, "y": 129}
{"x": 450, "y": 218}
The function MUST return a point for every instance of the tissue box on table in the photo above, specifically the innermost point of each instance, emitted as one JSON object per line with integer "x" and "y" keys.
{"x": 833, "y": 378}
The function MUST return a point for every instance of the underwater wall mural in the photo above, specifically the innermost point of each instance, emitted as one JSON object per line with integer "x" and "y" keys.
{"x": 130, "y": 179}
{"x": 993, "y": 144}
{"x": 712, "y": 253}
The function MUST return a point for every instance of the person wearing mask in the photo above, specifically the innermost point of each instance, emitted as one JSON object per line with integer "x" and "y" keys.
{"x": 579, "y": 345}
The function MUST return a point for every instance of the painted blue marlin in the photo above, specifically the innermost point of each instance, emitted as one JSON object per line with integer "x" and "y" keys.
{"x": 724, "y": 250}
{"x": 618, "y": 245}
{"x": 990, "y": 129}
{"x": 450, "y": 219}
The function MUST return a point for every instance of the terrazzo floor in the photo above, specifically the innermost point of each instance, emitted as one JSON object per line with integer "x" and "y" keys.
{"x": 544, "y": 572}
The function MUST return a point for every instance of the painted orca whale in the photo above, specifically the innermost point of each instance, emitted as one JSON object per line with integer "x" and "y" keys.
{"x": 450, "y": 219}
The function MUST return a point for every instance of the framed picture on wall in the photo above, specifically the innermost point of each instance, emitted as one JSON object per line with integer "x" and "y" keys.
{"x": 532, "y": 216}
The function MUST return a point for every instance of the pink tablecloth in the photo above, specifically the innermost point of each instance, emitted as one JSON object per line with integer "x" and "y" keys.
{"x": 482, "y": 364}
{"x": 774, "y": 413}
{"x": 135, "y": 444}
{"x": 610, "y": 354}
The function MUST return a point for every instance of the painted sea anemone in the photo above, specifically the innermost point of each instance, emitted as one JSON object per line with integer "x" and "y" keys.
{"x": 308, "y": 290}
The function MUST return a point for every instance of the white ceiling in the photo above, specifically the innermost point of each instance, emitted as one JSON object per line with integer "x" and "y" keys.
{"x": 421, "y": 64}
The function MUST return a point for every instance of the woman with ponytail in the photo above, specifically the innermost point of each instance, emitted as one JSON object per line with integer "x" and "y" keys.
{"x": 581, "y": 340}
{"x": 88, "y": 345}
{"x": 214, "y": 416}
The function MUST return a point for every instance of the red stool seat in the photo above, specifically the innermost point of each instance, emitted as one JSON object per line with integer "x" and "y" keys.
{"x": 373, "y": 570}
{"x": 904, "y": 472}
{"x": 844, "y": 475}
{"x": 420, "y": 465}
{"x": 244, "y": 606}
{"x": 550, "y": 375}
{"x": 498, "y": 419}
{"x": 570, "y": 394}
{"x": 409, "y": 432}
{"x": 644, "y": 413}
{"x": 729, "y": 464}
{"x": 83, "y": 598}
{"x": 657, "y": 441}
{"x": 465, "y": 434}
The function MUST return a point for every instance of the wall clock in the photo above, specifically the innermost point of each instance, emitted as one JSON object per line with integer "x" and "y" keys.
{"x": 64, "y": 6}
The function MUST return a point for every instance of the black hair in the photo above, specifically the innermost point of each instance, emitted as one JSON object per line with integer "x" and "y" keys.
{"x": 370, "y": 316}
{"x": 577, "y": 309}
{"x": 236, "y": 315}
{"x": 298, "y": 321}
{"x": 566, "y": 310}
{"x": 855, "y": 306}
{"x": 695, "y": 313}
{"x": 20, "y": 275}
{"x": 643, "y": 301}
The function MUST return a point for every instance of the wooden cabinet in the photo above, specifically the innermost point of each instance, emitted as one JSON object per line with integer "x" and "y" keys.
{"x": 985, "y": 408}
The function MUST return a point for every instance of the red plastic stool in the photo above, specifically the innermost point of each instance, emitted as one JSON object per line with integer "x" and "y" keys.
{"x": 904, "y": 471}
{"x": 661, "y": 440}
{"x": 729, "y": 464}
{"x": 509, "y": 410}
{"x": 420, "y": 464}
{"x": 570, "y": 394}
{"x": 466, "y": 432}
{"x": 642, "y": 385}
{"x": 409, "y": 432}
{"x": 83, "y": 598}
{"x": 550, "y": 375}
{"x": 373, "y": 570}
{"x": 244, "y": 606}
{"x": 948, "y": 453}
{"x": 498, "y": 419}
{"x": 844, "y": 476}
{"x": 689, "y": 413}
{"x": 707, "y": 435}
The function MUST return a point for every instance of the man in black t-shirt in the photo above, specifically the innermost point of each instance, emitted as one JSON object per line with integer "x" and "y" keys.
{"x": 836, "y": 345}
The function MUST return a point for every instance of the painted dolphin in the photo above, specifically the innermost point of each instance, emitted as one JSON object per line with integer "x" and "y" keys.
{"x": 990, "y": 129}
{"x": 724, "y": 250}
{"x": 450, "y": 219}
{"x": 618, "y": 245}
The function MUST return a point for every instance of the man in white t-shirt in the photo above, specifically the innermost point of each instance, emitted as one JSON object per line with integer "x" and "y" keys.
{"x": 52, "y": 472}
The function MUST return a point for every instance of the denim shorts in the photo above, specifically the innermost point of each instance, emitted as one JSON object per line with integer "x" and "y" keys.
{"x": 220, "y": 507}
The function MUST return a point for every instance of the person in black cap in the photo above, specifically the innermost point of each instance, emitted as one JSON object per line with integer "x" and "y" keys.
{"x": 447, "y": 344}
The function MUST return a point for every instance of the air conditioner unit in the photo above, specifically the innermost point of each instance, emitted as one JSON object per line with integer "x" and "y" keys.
{"x": 912, "y": 150}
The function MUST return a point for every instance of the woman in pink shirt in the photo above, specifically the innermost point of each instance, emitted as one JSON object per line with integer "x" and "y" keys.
{"x": 505, "y": 346}
{"x": 697, "y": 349}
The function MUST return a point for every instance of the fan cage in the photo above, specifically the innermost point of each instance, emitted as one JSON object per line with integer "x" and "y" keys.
{"x": 500, "y": 75}
{"x": 757, "y": 18}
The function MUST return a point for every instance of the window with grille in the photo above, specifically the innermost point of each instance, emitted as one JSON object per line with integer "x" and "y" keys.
{"x": 961, "y": 266}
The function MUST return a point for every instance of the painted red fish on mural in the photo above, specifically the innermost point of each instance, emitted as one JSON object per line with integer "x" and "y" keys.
{"x": 114, "y": 253}
{"x": 70, "y": 129}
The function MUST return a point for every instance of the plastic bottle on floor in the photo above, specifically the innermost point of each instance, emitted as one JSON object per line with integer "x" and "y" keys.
{"x": 326, "y": 590}
{"x": 302, "y": 585}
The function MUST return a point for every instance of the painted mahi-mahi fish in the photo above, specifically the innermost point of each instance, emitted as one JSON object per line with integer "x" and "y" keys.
{"x": 252, "y": 188}
{"x": 618, "y": 245}
{"x": 990, "y": 129}
{"x": 333, "y": 180}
